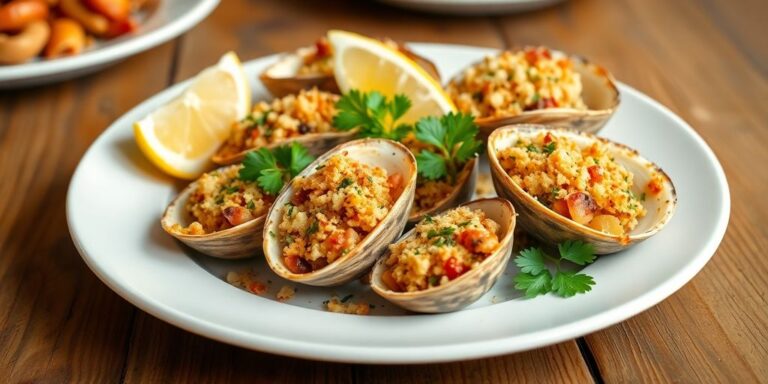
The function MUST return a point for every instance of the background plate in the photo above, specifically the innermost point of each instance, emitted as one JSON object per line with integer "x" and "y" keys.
{"x": 162, "y": 22}
{"x": 116, "y": 198}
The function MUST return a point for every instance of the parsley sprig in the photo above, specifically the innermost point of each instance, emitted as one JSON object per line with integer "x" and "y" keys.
{"x": 372, "y": 114}
{"x": 536, "y": 279}
{"x": 272, "y": 169}
{"x": 453, "y": 137}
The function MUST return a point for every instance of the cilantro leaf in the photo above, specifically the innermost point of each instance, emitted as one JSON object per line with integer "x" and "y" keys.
{"x": 271, "y": 180}
{"x": 567, "y": 284}
{"x": 531, "y": 261}
{"x": 577, "y": 252}
{"x": 430, "y": 165}
{"x": 534, "y": 285}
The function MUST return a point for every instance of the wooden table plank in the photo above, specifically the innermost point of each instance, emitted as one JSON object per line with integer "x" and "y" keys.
{"x": 160, "y": 353}
{"x": 57, "y": 321}
{"x": 710, "y": 70}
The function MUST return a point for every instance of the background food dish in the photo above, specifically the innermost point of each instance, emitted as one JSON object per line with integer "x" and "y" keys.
{"x": 166, "y": 20}
{"x": 661, "y": 265}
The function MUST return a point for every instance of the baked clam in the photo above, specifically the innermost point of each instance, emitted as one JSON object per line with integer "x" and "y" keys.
{"x": 461, "y": 192}
{"x": 336, "y": 217}
{"x": 238, "y": 229}
{"x": 476, "y": 235}
{"x": 570, "y": 185}
{"x": 305, "y": 117}
{"x": 536, "y": 85}
{"x": 309, "y": 67}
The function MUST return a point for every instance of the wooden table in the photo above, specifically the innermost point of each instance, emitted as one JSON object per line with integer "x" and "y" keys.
{"x": 706, "y": 60}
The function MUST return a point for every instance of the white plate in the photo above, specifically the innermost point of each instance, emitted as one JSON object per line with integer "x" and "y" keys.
{"x": 472, "y": 7}
{"x": 116, "y": 198}
{"x": 166, "y": 20}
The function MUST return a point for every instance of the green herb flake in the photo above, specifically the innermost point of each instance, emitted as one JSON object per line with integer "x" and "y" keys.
{"x": 313, "y": 228}
{"x": 532, "y": 148}
{"x": 434, "y": 280}
{"x": 346, "y": 298}
{"x": 251, "y": 205}
{"x": 345, "y": 183}
{"x": 549, "y": 148}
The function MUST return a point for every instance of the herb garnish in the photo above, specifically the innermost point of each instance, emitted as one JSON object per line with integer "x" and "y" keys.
{"x": 535, "y": 278}
{"x": 372, "y": 114}
{"x": 453, "y": 135}
{"x": 272, "y": 169}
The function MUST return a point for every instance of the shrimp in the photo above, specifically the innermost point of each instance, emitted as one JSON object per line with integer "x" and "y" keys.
{"x": 18, "y": 14}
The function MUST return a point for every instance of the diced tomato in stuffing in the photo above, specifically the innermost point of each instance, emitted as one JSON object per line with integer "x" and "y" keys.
{"x": 595, "y": 173}
{"x": 296, "y": 264}
{"x": 453, "y": 268}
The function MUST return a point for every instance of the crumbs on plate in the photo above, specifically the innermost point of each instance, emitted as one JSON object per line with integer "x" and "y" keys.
{"x": 246, "y": 280}
{"x": 286, "y": 293}
{"x": 344, "y": 305}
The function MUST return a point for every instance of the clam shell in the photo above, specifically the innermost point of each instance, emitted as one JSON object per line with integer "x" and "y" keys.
{"x": 549, "y": 226}
{"x": 467, "y": 288}
{"x": 462, "y": 192}
{"x": 282, "y": 79}
{"x": 232, "y": 243}
{"x": 316, "y": 144}
{"x": 598, "y": 91}
{"x": 387, "y": 154}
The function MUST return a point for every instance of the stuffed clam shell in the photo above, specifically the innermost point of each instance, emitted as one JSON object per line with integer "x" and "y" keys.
{"x": 538, "y": 86}
{"x": 568, "y": 185}
{"x": 338, "y": 215}
{"x": 309, "y": 67}
{"x": 455, "y": 232}
{"x": 230, "y": 215}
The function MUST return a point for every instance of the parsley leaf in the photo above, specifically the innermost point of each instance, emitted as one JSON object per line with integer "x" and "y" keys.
{"x": 531, "y": 261}
{"x": 272, "y": 169}
{"x": 372, "y": 114}
{"x": 533, "y": 285}
{"x": 577, "y": 252}
{"x": 567, "y": 284}
{"x": 431, "y": 166}
{"x": 453, "y": 136}
{"x": 271, "y": 180}
{"x": 536, "y": 279}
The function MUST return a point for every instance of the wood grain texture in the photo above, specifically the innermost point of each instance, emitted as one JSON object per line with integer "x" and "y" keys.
{"x": 703, "y": 61}
{"x": 706, "y": 60}
{"x": 58, "y": 323}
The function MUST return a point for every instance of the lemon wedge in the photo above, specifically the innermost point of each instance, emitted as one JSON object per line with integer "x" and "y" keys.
{"x": 366, "y": 64}
{"x": 180, "y": 137}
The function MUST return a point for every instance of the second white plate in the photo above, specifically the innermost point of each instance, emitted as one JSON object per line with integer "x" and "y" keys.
{"x": 166, "y": 20}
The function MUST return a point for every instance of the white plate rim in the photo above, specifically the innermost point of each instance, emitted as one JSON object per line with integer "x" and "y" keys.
{"x": 102, "y": 56}
{"x": 427, "y": 354}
